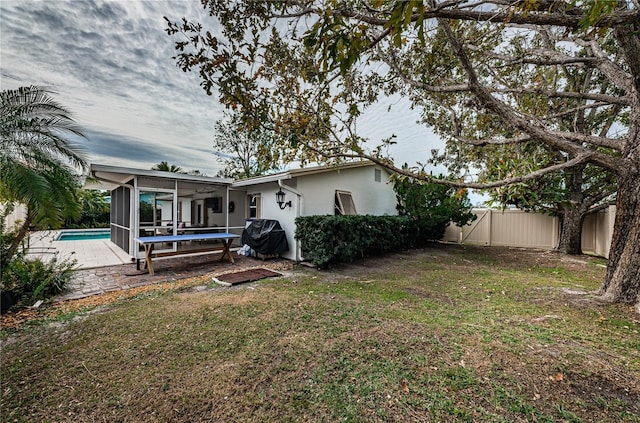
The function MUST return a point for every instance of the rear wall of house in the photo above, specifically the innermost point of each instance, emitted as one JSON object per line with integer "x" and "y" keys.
{"x": 318, "y": 197}
{"x": 369, "y": 195}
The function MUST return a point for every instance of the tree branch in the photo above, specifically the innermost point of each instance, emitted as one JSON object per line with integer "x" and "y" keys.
{"x": 616, "y": 74}
{"x": 485, "y": 142}
{"x": 501, "y": 13}
{"x": 475, "y": 185}
{"x": 544, "y": 57}
{"x": 393, "y": 64}
{"x": 573, "y": 110}
{"x": 602, "y": 206}
{"x": 603, "y": 98}
{"x": 510, "y": 117}
{"x": 622, "y": 100}
{"x": 616, "y": 144}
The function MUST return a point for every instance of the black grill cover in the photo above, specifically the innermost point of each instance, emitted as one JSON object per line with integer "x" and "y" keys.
{"x": 265, "y": 236}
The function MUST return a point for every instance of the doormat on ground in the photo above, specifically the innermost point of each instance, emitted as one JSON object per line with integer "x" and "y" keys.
{"x": 251, "y": 275}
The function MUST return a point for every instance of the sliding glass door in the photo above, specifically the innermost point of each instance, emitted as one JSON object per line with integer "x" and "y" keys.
{"x": 157, "y": 214}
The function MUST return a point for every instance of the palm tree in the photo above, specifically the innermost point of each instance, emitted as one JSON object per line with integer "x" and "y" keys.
{"x": 37, "y": 162}
{"x": 166, "y": 167}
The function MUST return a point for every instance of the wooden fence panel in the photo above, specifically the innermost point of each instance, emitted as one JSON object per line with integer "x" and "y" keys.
{"x": 478, "y": 232}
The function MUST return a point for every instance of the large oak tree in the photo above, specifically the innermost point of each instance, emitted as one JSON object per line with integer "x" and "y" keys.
{"x": 308, "y": 69}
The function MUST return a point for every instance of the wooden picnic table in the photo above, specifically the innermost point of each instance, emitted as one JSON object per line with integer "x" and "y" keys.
{"x": 148, "y": 243}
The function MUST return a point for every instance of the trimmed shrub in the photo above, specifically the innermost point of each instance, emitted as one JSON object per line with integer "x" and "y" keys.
{"x": 433, "y": 205}
{"x": 328, "y": 240}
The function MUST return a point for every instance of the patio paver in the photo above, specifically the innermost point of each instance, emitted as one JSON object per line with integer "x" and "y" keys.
{"x": 103, "y": 267}
{"x": 99, "y": 280}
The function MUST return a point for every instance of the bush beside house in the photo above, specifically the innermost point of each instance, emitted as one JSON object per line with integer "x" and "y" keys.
{"x": 426, "y": 209}
{"x": 328, "y": 240}
{"x": 24, "y": 281}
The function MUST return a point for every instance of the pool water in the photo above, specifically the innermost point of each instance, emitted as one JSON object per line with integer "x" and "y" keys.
{"x": 83, "y": 235}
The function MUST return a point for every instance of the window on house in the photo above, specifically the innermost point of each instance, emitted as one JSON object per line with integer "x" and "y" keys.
{"x": 377, "y": 175}
{"x": 254, "y": 204}
{"x": 344, "y": 203}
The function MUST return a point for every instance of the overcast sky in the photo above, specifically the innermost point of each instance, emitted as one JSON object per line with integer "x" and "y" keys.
{"x": 110, "y": 63}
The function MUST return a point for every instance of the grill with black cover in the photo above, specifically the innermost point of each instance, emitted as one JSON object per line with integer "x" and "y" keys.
{"x": 265, "y": 236}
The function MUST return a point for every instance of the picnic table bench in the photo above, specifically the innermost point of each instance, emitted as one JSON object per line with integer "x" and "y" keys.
{"x": 148, "y": 243}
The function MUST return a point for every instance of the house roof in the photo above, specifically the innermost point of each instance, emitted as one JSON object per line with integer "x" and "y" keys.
{"x": 110, "y": 177}
{"x": 294, "y": 173}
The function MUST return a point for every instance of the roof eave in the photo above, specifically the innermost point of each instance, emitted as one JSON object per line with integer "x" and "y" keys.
{"x": 299, "y": 172}
{"x": 130, "y": 172}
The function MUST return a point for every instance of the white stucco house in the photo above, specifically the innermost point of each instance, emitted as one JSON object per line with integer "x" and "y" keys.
{"x": 150, "y": 201}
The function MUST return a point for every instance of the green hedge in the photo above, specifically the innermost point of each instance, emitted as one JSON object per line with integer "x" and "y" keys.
{"x": 328, "y": 240}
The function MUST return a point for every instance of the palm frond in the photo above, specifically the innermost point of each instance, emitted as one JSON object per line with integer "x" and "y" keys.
{"x": 32, "y": 119}
{"x": 38, "y": 162}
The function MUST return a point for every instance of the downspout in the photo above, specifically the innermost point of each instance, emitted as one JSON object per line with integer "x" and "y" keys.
{"x": 299, "y": 204}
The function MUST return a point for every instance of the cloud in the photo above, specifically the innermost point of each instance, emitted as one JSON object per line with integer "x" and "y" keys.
{"x": 122, "y": 150}
{"x": 111, "y": 64}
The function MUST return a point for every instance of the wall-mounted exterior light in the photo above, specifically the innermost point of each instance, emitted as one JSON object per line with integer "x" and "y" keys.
{"x": 280, "y": 200}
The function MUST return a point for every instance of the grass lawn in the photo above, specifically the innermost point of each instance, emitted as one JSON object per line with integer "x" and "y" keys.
{"x": 441, "y": 334}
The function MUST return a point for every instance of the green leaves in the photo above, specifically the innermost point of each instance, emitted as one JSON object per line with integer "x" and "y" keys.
{"x": 596, "y": 11}
{"x": 36, "y": 158}
{"x": 328, "y": 240}
{"x": 32, "y": 280}
{"x": 426, "y": 209}
{"x": 166, "y": 167}
{"x": 401, "y": 15}
{"x": 432, "y": 205}
{"x": 337, "y": 44}
{"x": 246, "y": 151}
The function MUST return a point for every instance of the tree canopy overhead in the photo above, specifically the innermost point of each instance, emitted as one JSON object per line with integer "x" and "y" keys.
{"x": 563, "y": 74}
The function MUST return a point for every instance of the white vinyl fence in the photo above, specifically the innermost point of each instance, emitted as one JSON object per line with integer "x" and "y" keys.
{"x": 18, "y": 215}
{"x": 517, "y": 228}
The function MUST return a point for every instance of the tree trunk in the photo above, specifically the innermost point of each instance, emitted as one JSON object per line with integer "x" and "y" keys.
{"x": 573, "y": 213}
{"x": 20, "y": 235}
{"x": 622, "y": 281}
{"x": 571, "y": 231}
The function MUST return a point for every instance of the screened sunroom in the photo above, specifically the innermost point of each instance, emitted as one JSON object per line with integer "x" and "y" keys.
{"x": 150, "y": 202}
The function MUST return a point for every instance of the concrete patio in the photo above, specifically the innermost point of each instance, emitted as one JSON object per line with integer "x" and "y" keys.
{"x": 89, "y": 253}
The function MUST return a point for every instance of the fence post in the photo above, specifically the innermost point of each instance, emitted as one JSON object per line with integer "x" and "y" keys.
{"x": 489, "y": 225}
{"x": 596, "y": 230}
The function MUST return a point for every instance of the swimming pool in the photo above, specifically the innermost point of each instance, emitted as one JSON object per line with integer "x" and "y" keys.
{"x": 84, "y": 234}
